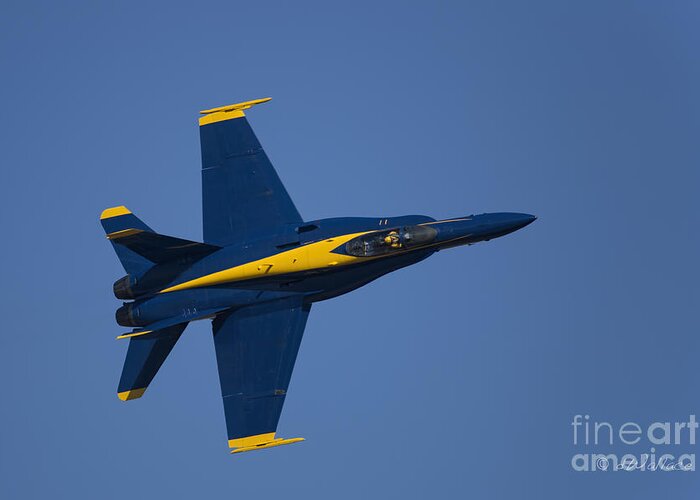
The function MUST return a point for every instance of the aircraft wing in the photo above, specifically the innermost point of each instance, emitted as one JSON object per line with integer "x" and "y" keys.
{"x": 256, "y": 347}
{"x": 241, "y": 192}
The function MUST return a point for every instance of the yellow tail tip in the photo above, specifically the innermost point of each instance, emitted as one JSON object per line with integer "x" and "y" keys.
{"x": 132, "y": 394}
{"x": 114, "y": 212}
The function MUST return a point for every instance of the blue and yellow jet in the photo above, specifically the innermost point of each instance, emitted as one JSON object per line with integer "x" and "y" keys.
{"x": 256, "y": 275}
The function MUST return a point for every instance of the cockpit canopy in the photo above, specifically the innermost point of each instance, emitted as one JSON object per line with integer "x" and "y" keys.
{"x": 390, "y": 240}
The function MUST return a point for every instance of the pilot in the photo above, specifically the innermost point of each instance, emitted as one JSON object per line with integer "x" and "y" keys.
{"x": 393, "y": 240}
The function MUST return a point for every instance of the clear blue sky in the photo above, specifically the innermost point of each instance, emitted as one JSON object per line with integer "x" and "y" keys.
{"x": 456, "y": 378}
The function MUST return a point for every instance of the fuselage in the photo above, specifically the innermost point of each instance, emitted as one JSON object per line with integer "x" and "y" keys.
{"x": 318, "y": 259}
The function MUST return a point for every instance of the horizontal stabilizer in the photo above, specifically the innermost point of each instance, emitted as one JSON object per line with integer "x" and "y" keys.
{"x": 148, "y": 348}
{"x": 144, "y": 358}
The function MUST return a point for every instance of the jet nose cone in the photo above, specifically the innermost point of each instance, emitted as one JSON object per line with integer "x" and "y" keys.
{"x": 504, "y": 223}
{"x": 519, "y": 221}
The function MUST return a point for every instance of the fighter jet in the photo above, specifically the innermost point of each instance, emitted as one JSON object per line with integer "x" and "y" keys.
{"x": 257, "y": 274}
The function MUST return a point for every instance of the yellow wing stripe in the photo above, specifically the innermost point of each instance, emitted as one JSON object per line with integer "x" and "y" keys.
{"x": 306, "y": 257}
{"x": 228, "y": 112}
{"x": 114, "y": 212}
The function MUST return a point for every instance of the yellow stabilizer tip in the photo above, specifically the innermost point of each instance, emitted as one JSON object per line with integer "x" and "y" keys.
{"x": 114, "y": 212}
{"x": 271, "y": 444}
{"x": 133, "y": 334}
{"x": 123, "y": 233}
{"x": 228, "y": 112}
{"x": 132, "y": 394}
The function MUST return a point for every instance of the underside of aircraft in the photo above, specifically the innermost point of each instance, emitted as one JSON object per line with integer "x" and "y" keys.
{"x": 256, "y": 274}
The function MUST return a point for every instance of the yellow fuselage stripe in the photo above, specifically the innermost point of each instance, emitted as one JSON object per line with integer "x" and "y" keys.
{"x": 313, "y": 256}
{"x": 316, "y": 255}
